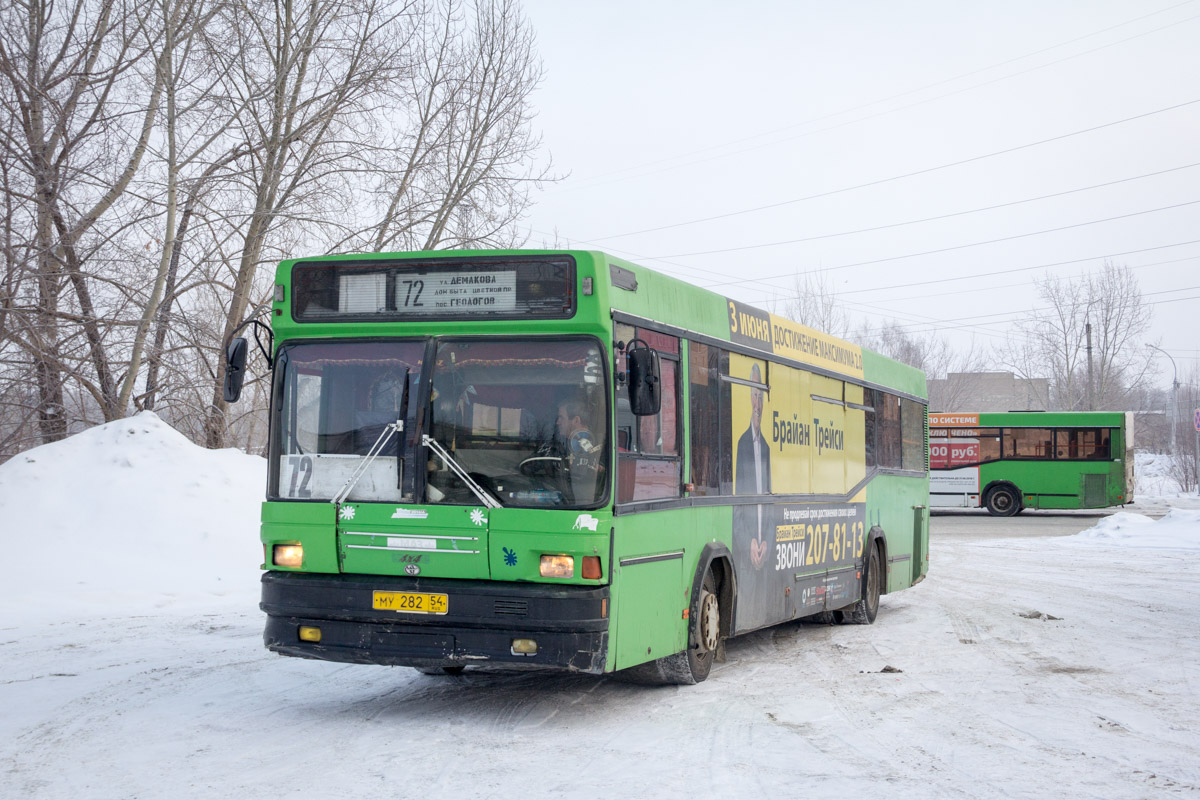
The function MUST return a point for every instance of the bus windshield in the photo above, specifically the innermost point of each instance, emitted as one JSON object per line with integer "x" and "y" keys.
{"x": 337, "y": 402}
{"x": 526, "y": 418}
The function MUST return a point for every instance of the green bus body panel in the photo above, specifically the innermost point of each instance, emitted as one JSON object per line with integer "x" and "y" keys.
{"x": 1051, "y": 419}
{"x": 1056, "y": 485}
{"x": 649, "y": 597}
{"x": 660, "y": 549}
{"x": 523, "y": 535}
{"x": 899, "y": 506}
{"x": 458, "y": 546}
{"x": 309, "y": 524}
{"x": 886, "y": 372}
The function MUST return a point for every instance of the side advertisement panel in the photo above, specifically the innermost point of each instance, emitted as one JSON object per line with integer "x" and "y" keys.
{"x": 952, "y": 483}
{"x": 789, "y": 437}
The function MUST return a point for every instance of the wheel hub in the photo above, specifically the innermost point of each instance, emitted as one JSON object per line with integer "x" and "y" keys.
{"x": 710, "y": 621}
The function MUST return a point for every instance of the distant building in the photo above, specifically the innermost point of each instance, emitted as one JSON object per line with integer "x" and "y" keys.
{"x": 987, "y": 391}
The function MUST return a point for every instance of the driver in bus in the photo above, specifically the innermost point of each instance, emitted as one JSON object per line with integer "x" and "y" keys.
{"x": 582, "y": 455}
{"x": 573, "y": 430}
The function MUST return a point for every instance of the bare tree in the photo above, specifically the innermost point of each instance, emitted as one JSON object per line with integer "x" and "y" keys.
{"x": 180, "y": 21}
{"x": 815, "y": 303}
{"x": 307, "y": 73}
{"x": 156, "y": 156}
{"x": 1085, "y": 339}
{"x": 946, "y": 363}
{"x": 1118, "y": 319}
{"x": 1184, "y": 460}
{"x": 67, "y": 73}
{"x": 461, "y": 173}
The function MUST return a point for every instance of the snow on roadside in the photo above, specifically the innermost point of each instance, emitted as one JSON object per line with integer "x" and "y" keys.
{"x": 1178, "y": 530}
{"x": 128, "y": 516}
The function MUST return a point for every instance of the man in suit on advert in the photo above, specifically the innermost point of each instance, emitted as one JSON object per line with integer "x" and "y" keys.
{"x": 753, "y": 471}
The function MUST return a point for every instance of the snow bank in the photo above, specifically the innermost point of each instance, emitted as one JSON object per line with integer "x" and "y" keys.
{"x": 128, "y": 515}
{"x": 1152, "y": 477}
{"x": 1178, "y": 530}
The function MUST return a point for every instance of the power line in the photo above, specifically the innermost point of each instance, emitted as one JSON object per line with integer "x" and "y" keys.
{"x": 961, "y": 246}
{"x": 1024, "y": 269}
{"x": 935, "y": 328}
{"x": 597, "y": 180}
{"x": 979, "y": 327}
{"x": 990, "y": 288}
{"x": 1043, "y": 308}
{"x": 880, "y": 181}
{"x": 927, "y": 219}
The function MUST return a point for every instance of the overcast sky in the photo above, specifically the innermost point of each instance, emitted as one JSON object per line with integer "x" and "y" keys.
{"x": 698, "y": 126}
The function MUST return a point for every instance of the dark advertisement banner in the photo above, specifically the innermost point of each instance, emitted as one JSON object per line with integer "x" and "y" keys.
{"x": 795, "y": 560}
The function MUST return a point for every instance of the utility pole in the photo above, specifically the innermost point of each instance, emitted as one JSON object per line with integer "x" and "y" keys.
{"x": 1196, "y": 463}
{"x": 1091, "y": 404}
{"x": 1174, "y": 396}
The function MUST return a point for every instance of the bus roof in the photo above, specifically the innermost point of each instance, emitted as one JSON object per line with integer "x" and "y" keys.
{"x": 620, "y": 285}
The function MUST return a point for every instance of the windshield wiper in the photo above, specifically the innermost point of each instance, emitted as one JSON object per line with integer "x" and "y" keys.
{"x": 456, "y": 468}
{"x": 389, "y": 429}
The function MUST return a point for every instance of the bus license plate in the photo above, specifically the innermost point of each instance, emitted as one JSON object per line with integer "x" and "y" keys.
{"x": 411, "y": 602}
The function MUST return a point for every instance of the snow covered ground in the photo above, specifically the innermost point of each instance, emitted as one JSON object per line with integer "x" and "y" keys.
{"x": 1155, "y": 490}
{"x": 131, "y": 665}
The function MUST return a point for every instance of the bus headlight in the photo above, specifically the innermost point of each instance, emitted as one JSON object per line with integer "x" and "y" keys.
{"x": 288, "y": 555}
{"x": 557, "y": 567}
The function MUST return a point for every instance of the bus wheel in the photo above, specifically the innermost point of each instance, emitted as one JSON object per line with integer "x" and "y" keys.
{"x": 704, "y": 637}
{"x": 867, "y": 608}
{"x": 1002, "y": 501}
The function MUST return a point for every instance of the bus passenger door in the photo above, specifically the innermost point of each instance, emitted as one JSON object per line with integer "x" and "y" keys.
{"x": 920, "y": 556}
{"x": 649, "y": 588}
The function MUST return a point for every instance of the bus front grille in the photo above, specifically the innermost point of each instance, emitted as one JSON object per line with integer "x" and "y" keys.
{"x": 512, "y": 608}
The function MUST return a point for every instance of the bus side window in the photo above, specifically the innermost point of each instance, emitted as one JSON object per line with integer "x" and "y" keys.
{"x": 888, "y": 438}
{"x": 648, "y": 463}
{"x": 912, "y": 429}
{"x": 869, "y": 403}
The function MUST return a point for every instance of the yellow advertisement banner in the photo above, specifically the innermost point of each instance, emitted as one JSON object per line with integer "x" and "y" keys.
{"x": 764, "y": 331}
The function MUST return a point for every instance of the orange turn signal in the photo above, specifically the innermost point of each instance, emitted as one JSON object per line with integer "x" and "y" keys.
{"x": 591, "y": 568}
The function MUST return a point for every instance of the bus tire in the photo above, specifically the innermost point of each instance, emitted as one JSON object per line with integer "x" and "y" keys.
{"x": 1002, "y": 501}
{"x": 866, "y": 609}
{"x": 704, "y": 638}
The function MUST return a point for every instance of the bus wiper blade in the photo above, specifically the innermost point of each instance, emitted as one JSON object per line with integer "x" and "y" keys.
{"x": 389, "y": 430}
{"x": 456, "y": 468}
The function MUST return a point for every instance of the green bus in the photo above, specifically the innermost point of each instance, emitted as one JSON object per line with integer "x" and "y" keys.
{"x": 564, "y": 459}
{"x": 1009, "y": 461}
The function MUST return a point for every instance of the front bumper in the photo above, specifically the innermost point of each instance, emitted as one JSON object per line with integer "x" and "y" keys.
{"x": 569, "y": 623}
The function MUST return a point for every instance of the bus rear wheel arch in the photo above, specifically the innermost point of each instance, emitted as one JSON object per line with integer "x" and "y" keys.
{"x": 1002, "y": 500}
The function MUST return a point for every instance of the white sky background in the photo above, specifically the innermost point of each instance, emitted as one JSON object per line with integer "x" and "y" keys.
{"x": 669, "y": 113}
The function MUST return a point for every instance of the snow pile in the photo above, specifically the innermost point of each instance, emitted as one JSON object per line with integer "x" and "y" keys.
{"x": 125, "y": 516}
{"x": 1178, "y": 530}
{"x": 1152, "y": 475}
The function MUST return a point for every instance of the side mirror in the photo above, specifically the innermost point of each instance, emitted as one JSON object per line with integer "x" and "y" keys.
{"x": 645, "y": 385}
{"x": 235, "y": 369}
